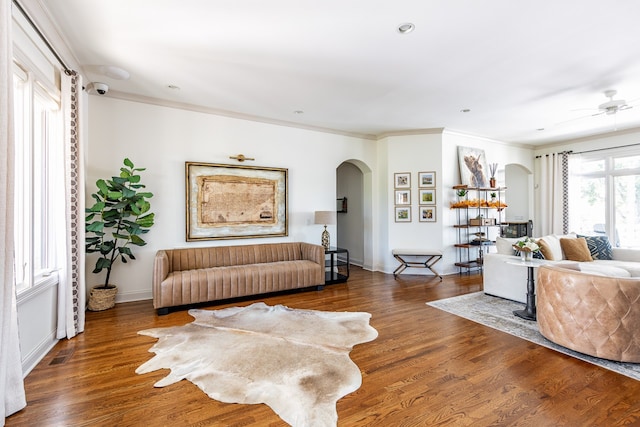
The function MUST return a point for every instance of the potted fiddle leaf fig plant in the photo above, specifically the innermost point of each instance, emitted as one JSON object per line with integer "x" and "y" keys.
{"x": 116, "y": 221}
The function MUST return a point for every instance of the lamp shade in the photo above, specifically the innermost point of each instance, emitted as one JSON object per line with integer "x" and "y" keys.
{"x": 325, "y": 217}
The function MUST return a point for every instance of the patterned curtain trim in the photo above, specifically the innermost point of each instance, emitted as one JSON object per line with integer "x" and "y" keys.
{"x": 76, "y": 210}
{"x": 72, "y": 283}
{"x": 565, "y": 192}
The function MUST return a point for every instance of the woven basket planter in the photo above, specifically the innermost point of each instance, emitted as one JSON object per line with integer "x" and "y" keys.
{"x": 102, "y": 299}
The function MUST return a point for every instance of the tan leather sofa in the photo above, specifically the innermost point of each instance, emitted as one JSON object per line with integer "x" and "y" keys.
{"x": 593, "y": 314}
{"x": 195, "y": 275}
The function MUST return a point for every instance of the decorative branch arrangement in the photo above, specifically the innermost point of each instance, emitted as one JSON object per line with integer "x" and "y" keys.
{"x": 493, "y": 168}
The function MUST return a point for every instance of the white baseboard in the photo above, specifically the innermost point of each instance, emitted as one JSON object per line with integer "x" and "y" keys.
{"x": 133, "y": 296}
{"x": 34, "y": 357}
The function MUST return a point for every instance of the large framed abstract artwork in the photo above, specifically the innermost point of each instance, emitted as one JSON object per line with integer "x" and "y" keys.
{"x": 235, "y": 202}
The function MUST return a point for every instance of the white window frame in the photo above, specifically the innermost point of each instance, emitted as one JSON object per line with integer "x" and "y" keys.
{"x": 27, "y": 151}
{"x": 608, "y": 174}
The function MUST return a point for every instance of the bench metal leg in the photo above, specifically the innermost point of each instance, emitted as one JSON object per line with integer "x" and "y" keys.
{"x": 427, "y": 263}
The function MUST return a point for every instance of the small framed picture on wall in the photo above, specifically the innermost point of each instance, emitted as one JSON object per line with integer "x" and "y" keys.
{"x": 426, "y": 179}
{"x": 402, "y": 180}
{"x": 403, "y": 197}
{"x": 428, "y": 197}
{"x": 427, "y": 213}
{"x": 403, "y": 214}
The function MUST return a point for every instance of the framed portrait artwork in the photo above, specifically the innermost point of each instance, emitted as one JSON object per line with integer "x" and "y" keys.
{"x": 426, "y": 179}
{"x": 428, "y": 197}
{"x": 427, "y": 213}
{"x": 402, "y": 180}
{"x": 403, "y": 197}
{"x": 403, "y": 214}
{"x": 234, "y": 202}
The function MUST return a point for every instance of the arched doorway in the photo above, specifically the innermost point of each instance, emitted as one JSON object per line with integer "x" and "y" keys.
{"x": 519, "y": 192}
{"x": 354, "y": 224}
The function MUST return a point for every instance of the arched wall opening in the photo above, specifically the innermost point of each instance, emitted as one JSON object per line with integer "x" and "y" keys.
{"x": 519, "y": 193}
{"x": 355, "y": 226}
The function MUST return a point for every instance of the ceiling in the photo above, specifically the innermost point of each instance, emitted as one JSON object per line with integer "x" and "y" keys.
{"x": 342, "y": 65}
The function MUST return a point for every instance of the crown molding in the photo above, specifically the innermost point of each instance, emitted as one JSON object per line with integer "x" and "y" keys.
{"x": 588, "y": 138}
{"x": 241, "y": 116}
{"x": 426, "y": 131}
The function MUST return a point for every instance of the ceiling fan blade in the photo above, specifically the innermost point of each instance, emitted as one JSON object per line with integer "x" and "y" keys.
{"x": 564, "y": 122}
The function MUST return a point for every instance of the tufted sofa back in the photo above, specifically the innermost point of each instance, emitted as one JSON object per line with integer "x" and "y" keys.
{"x": 224, "y": 256}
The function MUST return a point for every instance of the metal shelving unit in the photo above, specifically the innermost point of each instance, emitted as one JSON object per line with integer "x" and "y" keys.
{"x": 478, "y": 221}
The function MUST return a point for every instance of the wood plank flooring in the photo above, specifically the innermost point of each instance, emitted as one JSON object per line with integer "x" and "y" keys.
{"x": 426, "y": 368}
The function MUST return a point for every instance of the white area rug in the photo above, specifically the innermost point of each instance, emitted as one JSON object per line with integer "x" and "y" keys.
{"x": 497, "y": 313}
{"x": 295, "y": 361}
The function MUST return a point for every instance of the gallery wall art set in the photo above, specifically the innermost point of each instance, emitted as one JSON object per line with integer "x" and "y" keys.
{"x": 426, "y": 196}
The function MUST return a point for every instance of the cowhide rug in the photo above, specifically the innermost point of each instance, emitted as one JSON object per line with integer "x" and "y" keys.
{"x": 295, "y": 361}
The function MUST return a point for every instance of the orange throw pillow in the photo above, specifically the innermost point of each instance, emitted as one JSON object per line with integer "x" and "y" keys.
{"x": 576, "y": 249}
{"x": 545, "y": 250}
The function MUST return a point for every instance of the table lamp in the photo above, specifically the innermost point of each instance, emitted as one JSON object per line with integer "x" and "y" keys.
{"x": 324, "y": 218}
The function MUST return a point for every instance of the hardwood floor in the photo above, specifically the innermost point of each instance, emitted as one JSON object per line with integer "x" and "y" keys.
{"x": 426, "y": 368}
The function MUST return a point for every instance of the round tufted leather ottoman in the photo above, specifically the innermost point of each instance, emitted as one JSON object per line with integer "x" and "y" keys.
{"x": 589, "y": 313}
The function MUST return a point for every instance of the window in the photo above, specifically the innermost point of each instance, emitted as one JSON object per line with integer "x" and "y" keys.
{"x": 38, "y": 135}
{"x": 604, "y": 195}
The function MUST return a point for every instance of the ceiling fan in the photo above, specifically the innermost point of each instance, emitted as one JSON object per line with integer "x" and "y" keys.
{"x": 612, "y": 106}
{"x": 609, "y": 108}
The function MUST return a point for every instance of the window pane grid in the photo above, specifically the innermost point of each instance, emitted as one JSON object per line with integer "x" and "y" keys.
{"x": 604, "y": 197}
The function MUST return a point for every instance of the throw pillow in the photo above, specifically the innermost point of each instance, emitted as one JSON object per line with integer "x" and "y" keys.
{"x": 576, "y": 249}
{"x": 553, "y": 250}
{"x": 504, "y": 245}
{"x": 546, "y": 251}
{"x": 599, "y": 246}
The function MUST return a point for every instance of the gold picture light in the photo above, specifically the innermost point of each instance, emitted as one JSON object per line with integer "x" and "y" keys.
{"x": 241, "y": 158}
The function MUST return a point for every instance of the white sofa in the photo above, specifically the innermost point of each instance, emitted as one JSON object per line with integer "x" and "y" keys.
{"x": 510, "y": 281}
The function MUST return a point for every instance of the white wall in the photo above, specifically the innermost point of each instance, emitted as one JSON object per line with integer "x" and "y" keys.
{"x": 438, "y": 152}
{"x": 412, "y": 154}
{"x": 162, "y": 139}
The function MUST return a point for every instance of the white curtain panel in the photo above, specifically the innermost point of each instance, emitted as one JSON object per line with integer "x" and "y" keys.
{"x": 552, "y": 192}
{"x": 12, "y": 395}
{"x": 71, "y": 287}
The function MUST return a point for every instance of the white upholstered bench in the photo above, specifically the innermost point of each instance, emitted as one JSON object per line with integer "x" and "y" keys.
{"x": 422, "y": 258}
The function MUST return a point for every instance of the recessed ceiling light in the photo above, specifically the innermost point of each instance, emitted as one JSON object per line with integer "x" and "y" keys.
{"x": 465, "y": 110}
{"x": 298, "y": 112}
{"x": 174, "y": 87}
{"x": 540, "y": 129}
{"x": 406, "y": 28}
